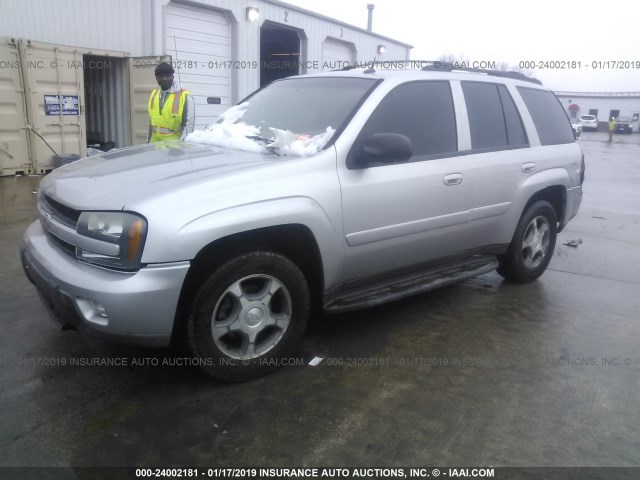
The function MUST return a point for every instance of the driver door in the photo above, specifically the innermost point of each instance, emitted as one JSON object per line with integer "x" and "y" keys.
{"x": 398, "y": 215}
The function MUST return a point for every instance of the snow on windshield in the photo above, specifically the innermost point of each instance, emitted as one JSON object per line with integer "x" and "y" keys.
{"x": 230, "y": 132}
{"x": 289, "y": 143}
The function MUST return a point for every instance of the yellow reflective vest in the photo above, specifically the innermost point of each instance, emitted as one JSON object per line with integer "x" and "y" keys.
{"x": 166, "y": 123}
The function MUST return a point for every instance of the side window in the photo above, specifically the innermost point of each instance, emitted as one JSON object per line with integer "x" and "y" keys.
{"x": 548, "y": 116}
{"x": 516, "y": 135}
{"x": 423, "y": 111}
{"x": 486, "y": 119}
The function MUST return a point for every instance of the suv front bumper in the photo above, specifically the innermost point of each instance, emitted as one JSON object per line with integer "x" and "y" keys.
{"x": 134, "y": 307}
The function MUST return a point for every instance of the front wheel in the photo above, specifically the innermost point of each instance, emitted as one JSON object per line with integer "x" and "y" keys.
{"x": 532, "y": 245}
{"x": 248, "y": 316}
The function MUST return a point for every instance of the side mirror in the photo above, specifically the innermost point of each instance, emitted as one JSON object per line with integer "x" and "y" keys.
{"x": 385, "y": 148}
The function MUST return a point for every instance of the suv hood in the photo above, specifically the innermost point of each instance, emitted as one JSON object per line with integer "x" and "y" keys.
{"x": 110, "y": 181}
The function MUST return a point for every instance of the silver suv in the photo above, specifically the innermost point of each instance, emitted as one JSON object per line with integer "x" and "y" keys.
{"x": 350, "y": 188}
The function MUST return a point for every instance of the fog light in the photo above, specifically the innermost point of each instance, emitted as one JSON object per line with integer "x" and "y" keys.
{"x": 98, "y": 308}
{"x": 92, "y": 311}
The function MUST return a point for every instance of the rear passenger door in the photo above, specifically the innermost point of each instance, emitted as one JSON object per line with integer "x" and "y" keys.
{"x": 496, "y": 161}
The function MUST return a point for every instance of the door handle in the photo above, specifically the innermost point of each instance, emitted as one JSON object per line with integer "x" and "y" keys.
{"x": 528, "y": 167}
{"x": 452, "y": 179}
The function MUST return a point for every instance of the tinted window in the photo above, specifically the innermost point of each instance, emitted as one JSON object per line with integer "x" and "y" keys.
{"x": 486, "y": 119}
{"x": 515, "y": 131}
{"x": 423, "y": 111}
{"x": 548, "y": 116}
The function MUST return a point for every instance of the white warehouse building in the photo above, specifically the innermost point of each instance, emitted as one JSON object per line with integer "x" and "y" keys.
{"x": 76, "y": 72}
{"x": 603, "y": 106}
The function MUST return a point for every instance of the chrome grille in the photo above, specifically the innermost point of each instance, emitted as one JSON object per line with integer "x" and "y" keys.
{"x": 67, "y": 247}
{"x": 65, "y": 215}
{"x": 54, "y": 211}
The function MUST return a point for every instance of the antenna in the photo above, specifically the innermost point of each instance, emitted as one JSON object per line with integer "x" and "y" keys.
{"x": 175, "y": 47}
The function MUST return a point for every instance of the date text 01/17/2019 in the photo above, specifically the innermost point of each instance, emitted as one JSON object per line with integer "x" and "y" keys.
{"x": 578, "y": 65}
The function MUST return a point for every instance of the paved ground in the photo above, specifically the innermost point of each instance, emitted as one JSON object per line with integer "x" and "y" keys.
{"x": 483, "y": 373}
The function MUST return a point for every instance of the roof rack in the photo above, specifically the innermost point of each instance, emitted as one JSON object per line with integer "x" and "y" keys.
{"x": 502, "y": 73}
{"x": 436, "y": 66}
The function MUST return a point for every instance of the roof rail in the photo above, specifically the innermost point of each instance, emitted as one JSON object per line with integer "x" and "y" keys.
{"x": 502, "y": 73}
{"x": 449, "y": 67}
{"x": 436, "y": 66}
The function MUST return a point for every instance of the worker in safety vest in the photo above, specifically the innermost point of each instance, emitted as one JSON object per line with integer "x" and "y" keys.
{"x": 171, "y": 108}
{"x": 612, "y": 128}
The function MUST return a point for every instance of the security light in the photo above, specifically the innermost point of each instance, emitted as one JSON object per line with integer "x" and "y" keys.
{"x": 253, "y": 14}
{"x": 381, "y": 49}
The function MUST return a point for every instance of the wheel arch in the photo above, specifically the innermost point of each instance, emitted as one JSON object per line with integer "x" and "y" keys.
{"x": 556, "y": 195}
{"x": 294, "y": 241}
{"x": 550, "y": 185}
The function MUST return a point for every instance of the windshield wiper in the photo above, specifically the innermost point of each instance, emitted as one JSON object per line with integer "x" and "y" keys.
{"x": 259, "y": 138}
{"x": 264, "y": 140}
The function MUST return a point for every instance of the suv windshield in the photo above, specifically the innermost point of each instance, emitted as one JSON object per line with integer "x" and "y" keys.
{"x": 296, "y": 116}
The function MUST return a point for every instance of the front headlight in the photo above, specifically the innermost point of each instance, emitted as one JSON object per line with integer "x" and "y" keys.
{"x": 125, "y": 230}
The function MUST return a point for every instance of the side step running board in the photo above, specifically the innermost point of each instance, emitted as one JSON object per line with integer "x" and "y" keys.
{"x": 395, "y": 288}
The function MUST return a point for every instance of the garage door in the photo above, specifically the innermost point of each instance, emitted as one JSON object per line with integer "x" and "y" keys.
{"x": 199, "y": 40}
{"x": 336, "y": 54}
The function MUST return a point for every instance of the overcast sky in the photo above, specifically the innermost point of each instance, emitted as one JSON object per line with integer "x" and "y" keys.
{"x": 512, "y": 31}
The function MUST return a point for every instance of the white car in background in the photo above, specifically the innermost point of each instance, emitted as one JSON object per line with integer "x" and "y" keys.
{"x": 588, "y": 122}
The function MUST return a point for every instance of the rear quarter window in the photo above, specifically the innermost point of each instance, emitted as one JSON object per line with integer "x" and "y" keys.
{"x": 549, "y": 117}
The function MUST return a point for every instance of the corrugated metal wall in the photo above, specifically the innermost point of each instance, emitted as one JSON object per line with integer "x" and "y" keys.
{"x": 144, "y": 27}
{"x": 14, "y": 137}
{"x": 245, "y": 39}
{"x": 138, "y": 27}
{"x": 106, "y": 25}
{"x": 54, "y": 87}
{"x": 314, "y": 30}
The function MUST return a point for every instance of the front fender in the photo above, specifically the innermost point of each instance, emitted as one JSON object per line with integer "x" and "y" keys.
{"x": 197, "y": 233}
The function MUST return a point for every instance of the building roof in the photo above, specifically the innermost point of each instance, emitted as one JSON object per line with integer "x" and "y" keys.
{"x": 333, "y": 20}
{"x": 600, "y": 94}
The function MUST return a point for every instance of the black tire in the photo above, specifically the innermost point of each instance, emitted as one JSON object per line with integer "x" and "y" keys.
{"x": 248, "y": 294}
{"x": 528, "y": 256}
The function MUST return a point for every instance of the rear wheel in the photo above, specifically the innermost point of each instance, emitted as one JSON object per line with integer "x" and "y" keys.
{"x": 248, "y": 316}
{"x": 532, "y": 246}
